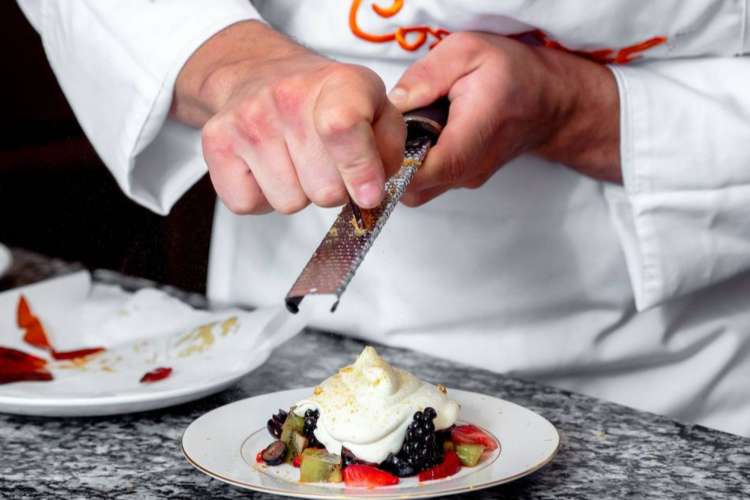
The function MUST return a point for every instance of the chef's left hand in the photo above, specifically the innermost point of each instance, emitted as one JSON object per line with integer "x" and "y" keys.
{"x": 508, "y": 98}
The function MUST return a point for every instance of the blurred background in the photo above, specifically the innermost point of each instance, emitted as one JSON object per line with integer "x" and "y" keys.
{"x": 57, "y": 198}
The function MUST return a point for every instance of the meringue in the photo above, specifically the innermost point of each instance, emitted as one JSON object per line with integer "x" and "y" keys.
{"x": 367, "y": 407}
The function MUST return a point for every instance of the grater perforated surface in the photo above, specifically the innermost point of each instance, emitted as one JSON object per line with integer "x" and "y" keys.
{"x": 338, "y": 256}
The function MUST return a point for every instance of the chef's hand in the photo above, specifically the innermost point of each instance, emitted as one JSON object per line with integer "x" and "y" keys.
{"x": 508, "y": 98}
{"x": 283, "y": 126}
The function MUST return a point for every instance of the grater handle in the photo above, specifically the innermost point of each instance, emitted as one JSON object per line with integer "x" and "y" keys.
{"x": 429, "y": 119}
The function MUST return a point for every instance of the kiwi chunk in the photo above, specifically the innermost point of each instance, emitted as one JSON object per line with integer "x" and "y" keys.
{"x": 291, "y": 424}
{"x": 299, "y": 443}
{"x": 469, "y": 454}
{"x": 319, "y": 466}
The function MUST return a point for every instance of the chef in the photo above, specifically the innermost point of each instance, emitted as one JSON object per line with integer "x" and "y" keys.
{"x": 584, "y": 219}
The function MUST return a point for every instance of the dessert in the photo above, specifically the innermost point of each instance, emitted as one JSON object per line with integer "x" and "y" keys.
{"x": 371, "y": 424}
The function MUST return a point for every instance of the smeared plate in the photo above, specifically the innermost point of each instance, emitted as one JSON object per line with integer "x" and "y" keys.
{"x": 223, "y": 444}
{"x": 207, "y": 354}
{"x": 5, "y": 260}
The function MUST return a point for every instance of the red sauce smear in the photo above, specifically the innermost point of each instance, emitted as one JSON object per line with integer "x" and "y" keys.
{"x": 37, "y": 336}
{"x": 156, "y": 375}
{"x": 18, "y": 366}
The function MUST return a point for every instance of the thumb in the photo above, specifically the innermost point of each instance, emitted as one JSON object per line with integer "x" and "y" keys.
{"x": 433, "y": 76}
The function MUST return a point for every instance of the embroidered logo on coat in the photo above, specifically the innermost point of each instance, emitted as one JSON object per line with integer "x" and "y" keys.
{"x": 409, "y": 38}
{"x": 413, "y": 37}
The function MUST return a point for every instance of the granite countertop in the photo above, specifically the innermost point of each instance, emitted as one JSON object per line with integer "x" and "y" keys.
{"x": 607, "y": 451}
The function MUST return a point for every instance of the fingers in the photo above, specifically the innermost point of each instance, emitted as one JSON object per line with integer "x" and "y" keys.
{"x": 316, "y": 171}
{"x": 232, "y": 179}
{"x": 435, "y": 74}
{"x": 416, "y": 199}
{"x": 390, "y": 136}
{"x": 274, "y": 172}
{"x": 447, "y": 70}
{"x": 346, "y": 109}
{"x": 463, "y": 150}
{"x": 305, "y": 138}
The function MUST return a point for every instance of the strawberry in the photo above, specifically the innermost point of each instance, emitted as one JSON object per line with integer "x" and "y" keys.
{"x": 367, "y": 476}
{"x": 297, "y": 462}
{"x": 471, "y": 434}
{"x": 449, "y": 466}
{"x": 259, "y": 457}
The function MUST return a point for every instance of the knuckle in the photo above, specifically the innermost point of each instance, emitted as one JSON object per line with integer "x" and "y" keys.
{"x": 453, "y": 172}
{"x": 291, "y": 204}
{"x": 214, "y": 138}
{"x": 360, "y": 170}
{"x": 469, "y": 42}
{"x": 329, "y": 196}
{"x": 242, "y": 204}
{"x": 347, "y": 74}
{"x": 336, "y": 120}
{"x": 254, "y": 120}
{"x": 288, "y": 95}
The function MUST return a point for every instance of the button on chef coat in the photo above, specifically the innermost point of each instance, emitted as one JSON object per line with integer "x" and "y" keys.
{"x": 635, "y": 293}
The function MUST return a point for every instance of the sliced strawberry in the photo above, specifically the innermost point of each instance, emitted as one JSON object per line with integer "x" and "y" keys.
{"x": 471, "y": 434}
{"x": 367, "y": 476}
{"x": 450, "y": 465}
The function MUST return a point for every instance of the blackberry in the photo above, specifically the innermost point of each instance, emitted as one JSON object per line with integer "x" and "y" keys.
{"x": 421, "y": 449}
{"x": 444, "y": 435}
{"x": 348, "y": 458}
{"x": 275, "y": 422}
{"x": 398, "y": 466}
{"x": 311, "y": 422}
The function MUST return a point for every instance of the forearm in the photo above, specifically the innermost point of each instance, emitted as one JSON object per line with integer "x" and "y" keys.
{"x": 588, "y": 139}
{"x": 212, "y": 72}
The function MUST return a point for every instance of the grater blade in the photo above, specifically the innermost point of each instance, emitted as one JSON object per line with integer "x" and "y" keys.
{"x": 338, "y": 256}
{"x": 343, "y": 248}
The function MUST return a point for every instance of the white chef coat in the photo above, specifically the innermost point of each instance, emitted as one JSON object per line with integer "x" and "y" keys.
{"x": 637, "y": 294}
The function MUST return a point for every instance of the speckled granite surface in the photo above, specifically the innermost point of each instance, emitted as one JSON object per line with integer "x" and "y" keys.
{"x": 608, "y": 451}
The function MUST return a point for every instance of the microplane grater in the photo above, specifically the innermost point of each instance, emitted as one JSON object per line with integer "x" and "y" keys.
{"x": 332, "y": 266}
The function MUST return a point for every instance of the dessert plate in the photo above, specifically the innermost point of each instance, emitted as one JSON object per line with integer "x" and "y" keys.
{"x": 5, "y": 260}
{"x": 223, "y": 444}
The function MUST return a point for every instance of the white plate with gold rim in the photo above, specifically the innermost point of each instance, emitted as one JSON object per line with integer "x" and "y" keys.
{"x": 224, "y": 442}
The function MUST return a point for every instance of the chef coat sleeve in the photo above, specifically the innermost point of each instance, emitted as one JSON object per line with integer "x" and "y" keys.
{"x": 117, "y": 62}
{"x": 683, "y": 215}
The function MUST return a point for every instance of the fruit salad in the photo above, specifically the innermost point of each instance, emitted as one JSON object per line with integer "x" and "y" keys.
{"x": 371, "y": 424}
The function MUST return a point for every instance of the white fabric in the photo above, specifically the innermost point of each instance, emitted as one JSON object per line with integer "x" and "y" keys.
{"x": 117, "y": 62}
{"x": 539, "y": 272}
{"x": 688, "y": 195}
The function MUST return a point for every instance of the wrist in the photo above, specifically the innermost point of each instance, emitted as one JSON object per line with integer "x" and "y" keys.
{"x": 585, "y": 122}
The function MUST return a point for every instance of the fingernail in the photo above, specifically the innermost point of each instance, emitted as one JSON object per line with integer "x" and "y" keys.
{"x": 368, "y": 194}
{"x": 398, "y": 96}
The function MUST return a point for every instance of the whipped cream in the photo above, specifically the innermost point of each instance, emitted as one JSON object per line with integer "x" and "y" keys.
{"x": 367, "y": 407}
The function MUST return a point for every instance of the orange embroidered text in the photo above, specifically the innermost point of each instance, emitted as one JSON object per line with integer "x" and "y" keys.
{"x": 409, "y": 38}
{"x": 606, "y": 56}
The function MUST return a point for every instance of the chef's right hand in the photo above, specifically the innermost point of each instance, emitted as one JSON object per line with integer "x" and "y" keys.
{"x": 283, "y": 126}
